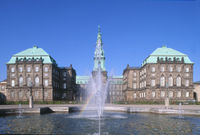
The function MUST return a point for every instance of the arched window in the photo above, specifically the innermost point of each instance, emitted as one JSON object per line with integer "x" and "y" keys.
{"x": 37, "y": 80}
{"x": 13, "y": 83}
{"x": 170, "y": 81}
{"x": 28, "y": 81}
{"x": 178, "y": 81}
{"x": 20, "y": 81}
{"x": 162, "y": 81}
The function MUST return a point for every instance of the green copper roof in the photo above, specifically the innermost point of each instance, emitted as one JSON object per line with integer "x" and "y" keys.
{"x": 99, "y": 58}
{"x": 116, "y": 80}
{"x": 33, "y": 53}
{"x": 82, "y": 79}
{"x": 164, "y": 52}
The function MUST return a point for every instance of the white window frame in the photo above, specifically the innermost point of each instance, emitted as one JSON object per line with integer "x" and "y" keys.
{"x": 37, "y": 69}
{"x": 178, "y": 81}
{"x": 28, "y": 69}
{"x": 153, "y": 83}
{"x": 170, "y": 80}
{"x": 21, "y": 81}
{"x": 46, "y": 69}
{"x": 153, "y": 69}
{"x": 12, "y": 69}
{"x": 37, "y": 81}
{"x": 153, "y": 94}
{"x": 187, "y": 69}
{"x": 187, "y": 94}
{"x": 64, "y": 85}
{"x": 171, "y": 94}
{"x": 162, "y": 94}
{"x": 13, "y": 83}
{"x": 20, "y": 69}
{"x": 46, "y": 83}
{"x": 162, "y": 69}
{"x": 162, "y": 81}
{"x": 178, "y": 94}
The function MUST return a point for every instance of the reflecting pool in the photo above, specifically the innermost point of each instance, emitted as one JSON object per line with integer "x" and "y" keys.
{"x": 112, "y": 123}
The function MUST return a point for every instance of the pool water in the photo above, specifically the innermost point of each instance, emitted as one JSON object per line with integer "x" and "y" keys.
{"x": 113, "y": 123}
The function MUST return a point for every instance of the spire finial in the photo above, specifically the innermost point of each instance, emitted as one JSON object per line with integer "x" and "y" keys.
{"x": 99, "y": 29}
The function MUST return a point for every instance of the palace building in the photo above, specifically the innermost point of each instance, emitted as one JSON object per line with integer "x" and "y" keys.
{"x": 164, "y": 73}
{"x": 34, "y": 69}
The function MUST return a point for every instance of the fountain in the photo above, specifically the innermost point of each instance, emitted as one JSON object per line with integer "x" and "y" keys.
{"x": 20, "y": 112}
{"x": 180, "y": 110}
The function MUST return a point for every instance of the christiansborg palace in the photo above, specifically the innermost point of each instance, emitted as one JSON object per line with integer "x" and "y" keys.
{"x": 164, "y": 73}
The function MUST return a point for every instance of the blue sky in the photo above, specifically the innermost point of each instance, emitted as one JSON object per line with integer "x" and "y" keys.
{"x": 131, "y": 30}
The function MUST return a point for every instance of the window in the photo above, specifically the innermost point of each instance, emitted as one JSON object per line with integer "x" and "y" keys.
{"x": 179, "y": 94}
{"x": 64, "y": 74}
{"x": 20, "y": 69}
{"x": 45, "y": 94}
{"x": 186, "y": 83}
{"x": 20, "y": 94}
{"x": 46, "y": 83}
{"x": 64, "y": 85}
{"x": 12, "y": 69}
{"x": 162, "y": 69}
{"x": 187, "y": 94}
{"x": 178, "y": 81}
{"x": 162, "y": 94}
{"x": 153, "y": 69}
{"x": 170, "y": 81}
{"x": 36, "y": 94}
{"x": 170, "y": 69}
{"x": 12, "y": 94}
{"x": 153, "y": 94}
{"x": 178, "y": 69}
{"x": 37, "y": 80}
{"x": 162, "y": 81}
{"x": 29, "y": 82}
{"x": 13, "y": 83}
{"x": 187, "y": 69}
{"x": 153, "y": 83}
{"x": 28, "y": 69}
{"x": 187, "y": 75}
{"x": 36, "y": 69}
{"x": 134, "y": 74}
{"x": 144, "y": 94}
{"x": 171, "y": 94}
{"x": 46, "y": 69}
{"x": 20, "y": 81}
{"x": 134, "y": 85}
{"x": 134, "y": 95}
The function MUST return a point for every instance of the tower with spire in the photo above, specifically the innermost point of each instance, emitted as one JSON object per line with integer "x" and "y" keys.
{"x": 99, "y": 58}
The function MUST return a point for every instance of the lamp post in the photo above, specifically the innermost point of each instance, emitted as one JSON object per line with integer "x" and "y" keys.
{"x": 30, "y": 95}
{"x": 167, "y": 97}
